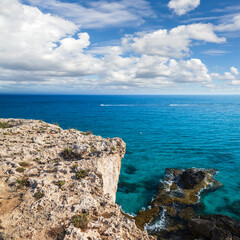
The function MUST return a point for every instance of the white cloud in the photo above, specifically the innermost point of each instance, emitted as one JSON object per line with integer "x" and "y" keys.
{"x": 228, "y": 76}
{"x": 33, "y": 41}
{"x": 214, "y": 52}
{"x": 233, "y": 24}
{"x": 153, "y": 71}
{"x": 181, "y": 7}
{"x": 174, "y": 43}
{"x": 234, "y": 70}
{"x": 42, "y": 51}
{"x": 235, "y": 82}
{"x": 98, "y": 14}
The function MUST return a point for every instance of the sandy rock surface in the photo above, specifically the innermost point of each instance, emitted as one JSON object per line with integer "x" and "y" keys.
{"x": 60, "y": 184}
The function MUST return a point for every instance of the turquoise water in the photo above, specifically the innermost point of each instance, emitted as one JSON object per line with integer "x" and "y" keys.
{"x": 160, "y": 132}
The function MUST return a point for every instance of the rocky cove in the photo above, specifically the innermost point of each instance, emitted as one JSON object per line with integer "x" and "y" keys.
{"x": 61, "y": 184}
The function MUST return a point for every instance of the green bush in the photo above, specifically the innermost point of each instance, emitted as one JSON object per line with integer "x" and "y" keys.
{"x": 24, "y": 164}
{"x": 80, "y": 221}
{"x": 74, "y": 166}
{"x": 68, "y": 153}
{"x": 37, "y": 159}
{"x": 22, "y": 183}
{"x": 92, "y": 149}
{"x": 4, "y": 125}
{"x": 20, "y": 169}
{"x": 38, "y": 195}
{"x": 60, "y": 183}
{"x": 81, "y": 174}
{"x": 87, "y": 133}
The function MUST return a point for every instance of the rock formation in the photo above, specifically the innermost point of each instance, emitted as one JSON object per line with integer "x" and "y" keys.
{"x": 176, "y": 203}
{"x": 60, "y": 184}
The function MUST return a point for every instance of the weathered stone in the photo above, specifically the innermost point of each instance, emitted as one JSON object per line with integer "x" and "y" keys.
{"x": 187, "y": 213}
{"x": 201, "y": 227}
{"x": 46, "y": 200}
{"x": 190, "y": 178}
{"x": 224, "y": 222}
{"x": 219, "y": 234}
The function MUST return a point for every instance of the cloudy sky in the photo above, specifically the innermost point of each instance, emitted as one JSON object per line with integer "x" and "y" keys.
{"x": 120, "y": 46}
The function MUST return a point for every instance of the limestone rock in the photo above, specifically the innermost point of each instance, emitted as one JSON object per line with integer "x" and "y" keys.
{"x": 60, "y": 184}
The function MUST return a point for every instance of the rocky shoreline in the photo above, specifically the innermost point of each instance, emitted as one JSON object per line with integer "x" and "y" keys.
{"x": 173, "y": 213}
{"x": 61, "y": 184}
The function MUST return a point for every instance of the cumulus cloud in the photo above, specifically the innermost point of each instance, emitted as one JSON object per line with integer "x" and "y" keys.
{"x": 34, "y": 41}
{"x": 154, "y": 71}
{"x": 40, "y": 50}
{"x": 98, "y": 14}
{"x": 232, "y": 77}
{"x": 174, "y": 43}
{"x": 181, "y": 7}
{"x": 234, "y": 70}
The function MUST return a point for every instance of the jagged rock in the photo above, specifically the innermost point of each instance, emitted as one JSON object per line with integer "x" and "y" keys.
{"x": 201, "y": 227}
{"x": 187, "y": 213}
{"x": 219, "y": 234}
{"x": 191, "y": 177}
{"x": 226, "y": 223}
{"x": 215, "y": 227}
{"x": 60, "y": 184}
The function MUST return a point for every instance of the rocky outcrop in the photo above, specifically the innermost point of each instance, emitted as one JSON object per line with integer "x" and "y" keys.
{"x": 169, "y": 212}
{"x": 60, "y": 184}
{"x": 191, "y": 177}
{"x": 215, "y": 227}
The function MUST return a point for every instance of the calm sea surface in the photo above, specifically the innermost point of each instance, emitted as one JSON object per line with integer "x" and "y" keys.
{"x": 160, "y": 131}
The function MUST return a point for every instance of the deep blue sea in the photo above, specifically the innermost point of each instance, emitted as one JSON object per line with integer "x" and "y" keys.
{"x": 160, "y": 132}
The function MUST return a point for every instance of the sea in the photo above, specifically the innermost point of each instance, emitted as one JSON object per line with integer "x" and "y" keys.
{"x": 160, "y": 132}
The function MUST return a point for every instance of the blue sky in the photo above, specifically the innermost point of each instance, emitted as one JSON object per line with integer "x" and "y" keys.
{"x": 120, "y": 47}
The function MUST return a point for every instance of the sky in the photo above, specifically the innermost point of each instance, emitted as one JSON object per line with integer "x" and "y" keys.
{"x": 120, "y": 47}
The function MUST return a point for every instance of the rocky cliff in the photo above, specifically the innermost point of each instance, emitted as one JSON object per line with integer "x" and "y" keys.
{"x": 60, "y": 184}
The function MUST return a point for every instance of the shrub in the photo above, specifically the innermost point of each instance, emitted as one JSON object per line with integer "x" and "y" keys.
{"x": 4, "y": 125}
{"x": 20, "y": 169}
{"x": 81, "y": 174}
{"x": 24, "y": 164}
{"x": 6, "y": 133}
{"x": 80, "y": 221}
{"x": 38, "y": 195}
{"x": 92, "y": 149}
{"x": 57, "y": 233}
{"x": 113, "y": 148}
{"x": 22, "y": 183}
{"x": 87, "y": 133}
{"x": 60, "y": 183}
{"x": 56, "y": 124}
{"x": 74, "y": 166}
{"x": 67, "y": 153}
{"x": 37, "y": 159}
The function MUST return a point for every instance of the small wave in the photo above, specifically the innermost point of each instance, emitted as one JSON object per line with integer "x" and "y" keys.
{"x": 159, "y": 224}
{"x": 181, "y": 105}
{"x": 128, "y": 105}
{"x": 118, "y": 105}
{"x": 130, "y": 214}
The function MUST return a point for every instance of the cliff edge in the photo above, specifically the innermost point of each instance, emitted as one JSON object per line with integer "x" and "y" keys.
{"x": 60, "y": 184}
